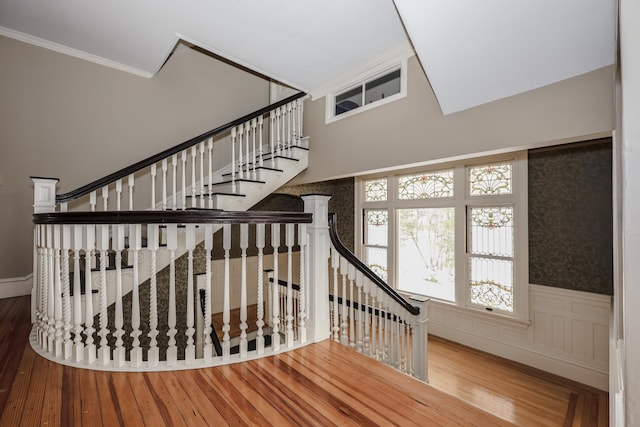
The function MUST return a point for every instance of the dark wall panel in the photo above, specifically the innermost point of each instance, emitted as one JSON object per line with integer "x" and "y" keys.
{"x": 571, "y": 216}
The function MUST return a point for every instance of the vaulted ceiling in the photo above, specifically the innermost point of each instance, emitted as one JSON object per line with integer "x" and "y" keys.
{"x": 473, "y": 52}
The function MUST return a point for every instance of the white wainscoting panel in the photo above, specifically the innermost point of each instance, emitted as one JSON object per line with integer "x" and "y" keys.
{"x": 568, "y": 334}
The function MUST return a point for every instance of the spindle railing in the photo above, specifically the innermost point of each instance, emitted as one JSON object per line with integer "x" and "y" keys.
{"x": 366, "y": 314}
{"x": 371, "y": 317}
{"x": 192, "y": 173}
{"x": 133, "y": 335}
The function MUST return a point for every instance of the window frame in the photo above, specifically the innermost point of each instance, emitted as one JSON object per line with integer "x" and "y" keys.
{"x": 461, "y": 202}
{"x": 372, "y": 75}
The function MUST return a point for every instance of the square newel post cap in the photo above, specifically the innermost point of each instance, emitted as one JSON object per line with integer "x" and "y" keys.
{"x": 44, "y": 194}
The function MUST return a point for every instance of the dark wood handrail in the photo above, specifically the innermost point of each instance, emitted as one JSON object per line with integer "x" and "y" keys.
{"x": 364, "y": 269}
{"x": 189, "y": 216}
{"x": 99, "y": 183}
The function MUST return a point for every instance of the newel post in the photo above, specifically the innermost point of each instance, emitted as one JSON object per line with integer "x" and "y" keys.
{"x": 420, "y": 338}
{"x": 44, "y": 201}
{"x": 318, "y": 259}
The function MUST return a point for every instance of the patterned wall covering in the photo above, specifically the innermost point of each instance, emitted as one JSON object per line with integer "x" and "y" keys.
{"x": 571, "y": 216}
{"x": 341, "y": 203}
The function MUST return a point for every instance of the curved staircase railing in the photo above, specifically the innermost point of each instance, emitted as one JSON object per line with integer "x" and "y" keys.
{"x": 154, "y": 327}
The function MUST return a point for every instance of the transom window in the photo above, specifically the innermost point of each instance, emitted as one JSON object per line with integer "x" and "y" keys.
{"x": 386, "y": 85}
{"x": 456, "y": 233}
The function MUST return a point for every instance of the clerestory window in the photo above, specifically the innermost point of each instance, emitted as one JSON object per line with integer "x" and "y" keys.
{"x": 376, "y": 90}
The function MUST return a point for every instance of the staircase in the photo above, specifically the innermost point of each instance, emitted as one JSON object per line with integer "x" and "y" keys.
{"x": 115, "y": 261}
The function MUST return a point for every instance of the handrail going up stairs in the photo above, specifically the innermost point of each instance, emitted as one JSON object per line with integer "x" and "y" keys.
{"x": 86, "y": 189}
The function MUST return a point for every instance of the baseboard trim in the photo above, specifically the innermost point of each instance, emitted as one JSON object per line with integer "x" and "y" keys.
{"x": 548, "y": 363}
{"x": 16, "y": 286}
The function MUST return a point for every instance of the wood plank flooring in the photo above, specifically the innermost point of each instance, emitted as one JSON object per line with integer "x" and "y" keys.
{"x": 321, "y": 384}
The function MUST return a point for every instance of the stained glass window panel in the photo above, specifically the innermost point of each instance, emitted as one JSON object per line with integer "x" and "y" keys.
{"x": 376, "y": 259}
{"x": 426, "y": 252}
{"x": 430, "y": 185}
{"x": 492, "y": 231}
{"x": 377, "y": 230}
{"x": 375, "y": 190}
{"x": 491, "y": 179}
{"x": 491, "y": 283}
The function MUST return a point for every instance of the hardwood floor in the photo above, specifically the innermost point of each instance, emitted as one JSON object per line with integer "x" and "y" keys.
{"x": 321, "y": 384}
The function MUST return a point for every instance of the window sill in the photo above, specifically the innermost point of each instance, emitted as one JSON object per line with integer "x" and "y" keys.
{"x": 475, "y": 312}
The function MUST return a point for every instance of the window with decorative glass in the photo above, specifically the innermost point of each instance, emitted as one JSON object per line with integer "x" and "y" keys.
{"x": 456, "y": 233}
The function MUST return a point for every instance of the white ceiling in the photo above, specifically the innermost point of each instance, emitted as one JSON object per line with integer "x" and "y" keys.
{"x": 472, "y": 51}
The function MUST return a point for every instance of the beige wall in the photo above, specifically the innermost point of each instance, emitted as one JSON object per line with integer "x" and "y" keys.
{"x": 413, "y": 129}
{"x": 71, "y": 119}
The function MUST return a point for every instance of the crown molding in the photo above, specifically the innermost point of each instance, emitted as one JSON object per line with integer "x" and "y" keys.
{"x": 56, "y": 47}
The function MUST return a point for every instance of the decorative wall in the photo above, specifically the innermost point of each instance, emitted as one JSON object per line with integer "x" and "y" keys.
{"x": 571, "y": 216}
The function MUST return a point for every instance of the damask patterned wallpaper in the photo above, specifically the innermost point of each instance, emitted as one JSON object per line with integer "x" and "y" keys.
{"x": 571, "y": 216}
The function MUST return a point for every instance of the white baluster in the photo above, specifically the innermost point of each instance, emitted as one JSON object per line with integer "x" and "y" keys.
{"x": 105, "y": 198}
{"x": 361, "y": 307}
{"x": 194, "y": 199}
{"x": 153, "y": 240}
{"x": 344, "y": 325}
{"x": 247, "y": 161}
{"x": 210, "y": 159}
{"x": 104, "y": 354}
{"x": 51, "y": 291}
{"x": 226, "y": 245}
{"x": 78, "y": 347}
{"x": 240, "y": 154}
{"x": 352, "y": 330}
{"x": 118, "y": 246}
{"x": 278, "y": 133}
{"x": 233, "y": 159}
{"x": 164, "y": 184}
{"x": 92, "y": 201}
{"x": 190, "y": 245}
{"x": 39, "y": 277}
{"x": 90, "y": 245}
{"x": 174, "y": 181}
{"x": 244, "y": 244}
{"x": 66, "y": 289}
{"x": 208, "y": 247}
{"x": 366, "y": 345}
{"x": 130, "y": 182}
{"x": 289, "y": 130}
{"x": 260, "y": 244}
{"x": 373, "y": 349}
{"x": 260, "y": 148}
{"x": 289, "y": 241}
{"x": 58, "y": 315}
{"x": 135, "y": 244}
{"x": 183, "y": 163}
{"x": 300, "y": 116}
{"x": 275, "y": 242}
{"x": 118, "y": 193}
{"x": 302, "y": 315}
{"x": 153, "y": 187}
{"x": 335, "y": 264}
{"x": 272, "y": 137}
{"x": 202, "y": 193}
{"x": 172, "y": 246}
{"x": 254, "y": 155}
